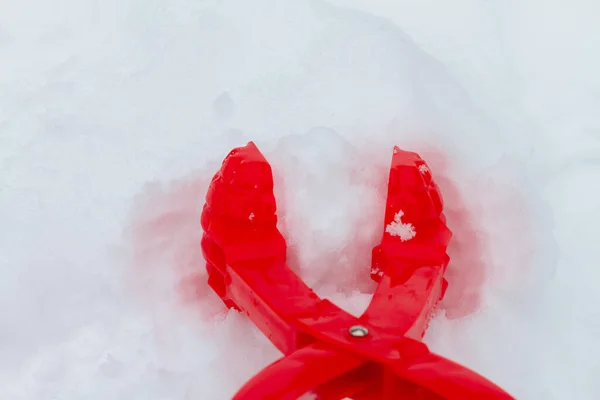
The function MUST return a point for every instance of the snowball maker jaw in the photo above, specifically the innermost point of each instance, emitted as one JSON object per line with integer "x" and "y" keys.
{"x": 324, "y": 356}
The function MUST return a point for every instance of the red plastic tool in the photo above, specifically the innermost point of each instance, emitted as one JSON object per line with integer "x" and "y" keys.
{"x": 328, "y": 353}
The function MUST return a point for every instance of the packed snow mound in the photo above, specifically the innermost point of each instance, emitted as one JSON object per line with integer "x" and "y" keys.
{"x": 115, "y": 114}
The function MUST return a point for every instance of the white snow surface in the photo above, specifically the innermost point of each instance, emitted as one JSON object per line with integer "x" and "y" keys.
{"x": 114, "y": 115}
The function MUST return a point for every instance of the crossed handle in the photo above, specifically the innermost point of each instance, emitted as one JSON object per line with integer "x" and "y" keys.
{"x": 245, "y": 256}
{"x": 383, "y": 365}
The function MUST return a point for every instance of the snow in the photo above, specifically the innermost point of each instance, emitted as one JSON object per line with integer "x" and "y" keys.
{"x": 114, "y": 115}
{"x": 404, "y": 230}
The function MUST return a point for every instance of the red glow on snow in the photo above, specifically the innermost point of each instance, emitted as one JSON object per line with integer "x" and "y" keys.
{"x": 166, "y": 237}
{"x": 475, "y": 236}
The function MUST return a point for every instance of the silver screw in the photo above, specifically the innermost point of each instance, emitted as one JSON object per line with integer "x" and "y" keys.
{"x": 358, "y": 331}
